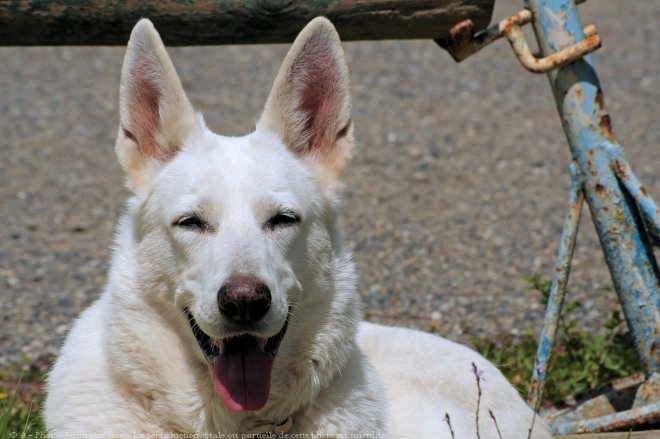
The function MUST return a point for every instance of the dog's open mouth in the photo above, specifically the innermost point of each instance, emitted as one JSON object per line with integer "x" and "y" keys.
{"x": 242, "y": 366}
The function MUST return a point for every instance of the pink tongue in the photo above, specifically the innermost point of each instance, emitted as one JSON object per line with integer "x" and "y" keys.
{"x": 242, "y": 377}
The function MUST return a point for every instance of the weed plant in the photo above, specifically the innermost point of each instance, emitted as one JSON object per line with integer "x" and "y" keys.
{"x": 581, "y": 360}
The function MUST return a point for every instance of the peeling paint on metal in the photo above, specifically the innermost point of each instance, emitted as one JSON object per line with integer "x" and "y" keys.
{"x": 558, "y": 286}
{"x": 616, "y": 216}
{"x": 619, "y": 421}
{"x": 558, "y": 33}
{"x": 646, "y": 205}
{"x": 462, "y": 42}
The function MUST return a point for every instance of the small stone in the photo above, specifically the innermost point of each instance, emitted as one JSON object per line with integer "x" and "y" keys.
{"x": 391, "y": 137}
{"x": 420, "y": 176}
{"x": 12, "y": 282}
{"x": 414, "y": 152}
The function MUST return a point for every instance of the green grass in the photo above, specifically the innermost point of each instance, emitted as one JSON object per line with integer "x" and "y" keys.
{"x": 21, "y": 401}
{"x": 581, "y": 361}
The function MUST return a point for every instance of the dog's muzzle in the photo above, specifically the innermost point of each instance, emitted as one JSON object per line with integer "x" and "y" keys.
{"x": 242, "y": 365}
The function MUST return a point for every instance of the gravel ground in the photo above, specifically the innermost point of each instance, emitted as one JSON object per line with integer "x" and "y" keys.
{"x": 457, "y": 191}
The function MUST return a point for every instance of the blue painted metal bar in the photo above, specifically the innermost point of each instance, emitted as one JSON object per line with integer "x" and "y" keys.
{"x": 626, "y": 218}
{"x": 558, "y": 287}
{"x": 647, "y": 207}
{"x": 623, "y": 420}
{"x": 587, "y": 126}
{"x": 613, "y": 410}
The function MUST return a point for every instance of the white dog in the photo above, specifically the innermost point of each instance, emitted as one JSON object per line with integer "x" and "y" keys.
{"x": 231, "y": 306}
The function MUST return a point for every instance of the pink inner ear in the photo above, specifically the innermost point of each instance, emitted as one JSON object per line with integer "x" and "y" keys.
{"x": 144, "y": 95}
{"x": 320, "y": 95}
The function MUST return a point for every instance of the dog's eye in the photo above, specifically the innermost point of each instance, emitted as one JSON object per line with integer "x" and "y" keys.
{"x": 191, "y": 222}
{"x": 283, "y": 219}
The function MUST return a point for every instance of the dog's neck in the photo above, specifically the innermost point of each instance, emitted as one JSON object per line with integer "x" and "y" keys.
{"x": 316, "y": 349}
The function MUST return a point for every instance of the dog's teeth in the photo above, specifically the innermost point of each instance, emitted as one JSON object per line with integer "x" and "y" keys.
{"x": 215, "y": 347}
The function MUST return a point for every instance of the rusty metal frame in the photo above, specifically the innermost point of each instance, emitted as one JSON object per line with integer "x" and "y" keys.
{"x": 558, "y": 286}
{"x": 625, "y": 216}
{"x": 463, "y": 42}
{"x": 616, "y": 216}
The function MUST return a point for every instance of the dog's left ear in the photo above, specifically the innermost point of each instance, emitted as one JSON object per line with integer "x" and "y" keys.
{"x": 309, "y": 106}
{"x": 155, "y": 114}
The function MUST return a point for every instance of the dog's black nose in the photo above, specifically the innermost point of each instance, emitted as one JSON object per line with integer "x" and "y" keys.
{"x": 244, "y": 300}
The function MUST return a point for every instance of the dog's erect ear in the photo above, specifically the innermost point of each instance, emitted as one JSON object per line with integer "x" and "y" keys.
{"x": 310, "y": 105}
{"x": 155, "y": 114}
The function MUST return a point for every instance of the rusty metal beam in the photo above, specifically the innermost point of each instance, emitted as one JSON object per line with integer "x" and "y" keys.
{"x": 647, "y": 207}
{"x": 625, "y": 216}
{"x": 567, "y": 55}
{"x": 202, "y": 22}
{"x": 587, "y": 125}
{"x": 649, "y": 414}
{"x": 557, "y": 288}
{"x": 627, "y": 403}
{"x": 465, "y": 40}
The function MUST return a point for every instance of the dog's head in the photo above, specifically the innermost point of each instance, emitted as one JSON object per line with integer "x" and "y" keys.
{"x": 236, "y": 232}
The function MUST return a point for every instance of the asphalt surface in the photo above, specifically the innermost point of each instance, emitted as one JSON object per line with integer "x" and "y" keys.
{"x": 457, "y": 191}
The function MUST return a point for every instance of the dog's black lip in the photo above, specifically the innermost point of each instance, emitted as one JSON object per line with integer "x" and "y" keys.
{"x": 205, "y": 342}
{"x": 211, "y": 349}
{"x": 273, "y": 343}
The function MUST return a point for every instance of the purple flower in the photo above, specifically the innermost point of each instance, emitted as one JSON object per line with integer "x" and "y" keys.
{"x": 538, "y": 367}
{"x": 476, "y": 371}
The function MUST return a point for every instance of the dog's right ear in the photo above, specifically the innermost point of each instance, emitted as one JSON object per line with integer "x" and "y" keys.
{"x": 309, "y": 106}
{"x": 155, "y": 114}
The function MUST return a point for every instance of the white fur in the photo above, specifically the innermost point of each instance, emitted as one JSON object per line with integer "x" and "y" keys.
{"x": 131, "y": 363}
